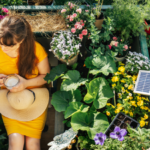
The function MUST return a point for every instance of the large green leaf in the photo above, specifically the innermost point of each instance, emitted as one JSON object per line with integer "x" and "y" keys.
{"x": 103, "y": 64}
{"x": 98, "y": 92}
{"x": 92, "y": 123}
{"x": 55, "y": 73}
{"x": 61, "y": 99}
{"x": 88, "y": 63}
{"x": 72, "y": 81}
{"x": 75, "y": 107}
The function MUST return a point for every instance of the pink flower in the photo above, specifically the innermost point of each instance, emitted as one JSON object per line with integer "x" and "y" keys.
{"x": 67, "y": 25}
{"x": 69, "y": 3}
{"x": 109, "y": 46}
{"x": 68, "y": 17}
{"x": 86, "y": 10}
{"x": 79, "y": 10}
{"x": 82, "y": 24}
{"x": 76, "y": 25}
{"x": 71, "y": 19}
{"x": 80, "y": 36}
{"x": 74, "y": 15}
{"x": 1, "y": 17}
{"x": 79, "y": 27}
{"x": 63, "y": 10}
{"x": 81, "y": 21}
{"x": 116, "y": 44}
{"x": 126, "y": 47}
{"x": 88, "y": 5}
{"x": 5, "y": 10}
{"x": 115, "y": 38}
{"x": 84, "y": 32}
{"x": 73, "y": 30}
{"x": 121, "y": 40}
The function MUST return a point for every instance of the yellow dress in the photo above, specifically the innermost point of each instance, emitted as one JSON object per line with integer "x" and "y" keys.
{"x": 32, "y": 128}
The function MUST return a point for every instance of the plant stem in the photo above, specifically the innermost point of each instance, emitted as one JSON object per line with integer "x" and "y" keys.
{"x": 88, "y": 74}
{"x": 114, "y": 98}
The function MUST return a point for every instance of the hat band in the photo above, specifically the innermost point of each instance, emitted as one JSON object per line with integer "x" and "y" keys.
{"x": 30, "y": 91}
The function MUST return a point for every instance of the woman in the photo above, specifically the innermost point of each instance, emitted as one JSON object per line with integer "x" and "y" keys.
{"x": 20, "y": 54}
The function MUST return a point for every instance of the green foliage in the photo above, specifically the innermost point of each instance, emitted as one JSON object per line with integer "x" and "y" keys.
{"x": 91, "y": 122}
{"x": 85, "y": 142}
{"x": 72, "y": 81}
{"x": 148, "y": 41}
{"x": 55, "y": 73}
{"x": 128, "y": 17}
{"x": 99, "y": 92}
{"x": 11, "y": 2}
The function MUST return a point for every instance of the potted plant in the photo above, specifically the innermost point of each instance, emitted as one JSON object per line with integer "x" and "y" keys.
{"x": 128, "y": 18}
{"x": 99, "y": 15}
{"x": 65, "y": 47}
{"x": 118, "y": 48}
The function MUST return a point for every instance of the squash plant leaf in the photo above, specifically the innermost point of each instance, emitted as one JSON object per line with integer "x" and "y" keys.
{"x": 75, "y": 107}
{"x": 103, "y": 64}
{"x": 72, "y": 81}
{"x": 91, "y": 122}
{"x": 61, "y": 99}
{"x": 55, "y": 73}
{"x": 88, "y": 63}
{"x": 98, "y": 92}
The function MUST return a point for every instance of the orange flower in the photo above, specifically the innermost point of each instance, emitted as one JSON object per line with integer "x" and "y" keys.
{"x": 84, "y": 65}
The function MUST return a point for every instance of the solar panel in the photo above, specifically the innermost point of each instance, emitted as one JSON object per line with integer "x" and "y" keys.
{"x": 142, "y": 85}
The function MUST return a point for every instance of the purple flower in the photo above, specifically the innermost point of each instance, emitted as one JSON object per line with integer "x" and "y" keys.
{"x": 118, "y": 133}
{"x": 99, "y": 138}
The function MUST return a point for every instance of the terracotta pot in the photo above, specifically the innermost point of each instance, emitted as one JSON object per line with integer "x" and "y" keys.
{"x": 99, "y": 21}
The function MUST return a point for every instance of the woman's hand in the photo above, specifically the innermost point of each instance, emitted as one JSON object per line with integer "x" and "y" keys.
{"x": 21, "y": 85}
{"x": 1, "y": 79}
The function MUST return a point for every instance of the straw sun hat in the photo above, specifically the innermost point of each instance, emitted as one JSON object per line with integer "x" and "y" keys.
{"x": 25, "y": 105}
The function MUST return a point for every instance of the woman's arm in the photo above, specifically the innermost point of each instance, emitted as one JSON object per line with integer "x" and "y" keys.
{"x": 43, "y": 68}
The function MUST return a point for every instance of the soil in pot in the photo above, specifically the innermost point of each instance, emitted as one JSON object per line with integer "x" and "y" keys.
{"x": 127, "y": 121}
{"x": 117, "y": 122}
{"x": 123, "y": 126}
{"x": 133, "y": 124}
{"x": 121, "y": 117}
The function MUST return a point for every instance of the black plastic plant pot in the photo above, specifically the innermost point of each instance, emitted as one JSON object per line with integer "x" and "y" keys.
{"x": 121, "y": 120}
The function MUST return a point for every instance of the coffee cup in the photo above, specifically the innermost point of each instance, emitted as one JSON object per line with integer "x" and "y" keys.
{"x": 11, "y": 81}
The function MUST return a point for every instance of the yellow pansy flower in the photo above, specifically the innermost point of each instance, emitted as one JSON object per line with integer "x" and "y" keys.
{"x": 142, "y": 107}
{"x": 127, "y": 91}
{"x": 123, "y": 81}
{"x": 121, "y": 69}
{"x": 115, "y": 79}
{"x": 117, "y": 111}
{"x": 113, "y": 106}
{"x": 126, "y": 112}
{"x": 113, "y": 85}
{"x": 142, "y": 123}
{"x": 107, "y": 113}
{"x": 117, "y": 73}
{"x": 140, "y": 103}
{"x": 130, "y": 87}
{"x": 131, "y": 114}
{"x": 128, "y": 76}
{"x": 134, "y": 77}
{"x": 130, "y": 97}
{"x": 146, "y": 116}
{"x": 133, "y": 103}
{"x": 146, "y": 108}
{"x": 108, "y": 104}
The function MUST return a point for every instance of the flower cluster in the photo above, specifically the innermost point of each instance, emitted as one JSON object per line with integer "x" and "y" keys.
{"x": 76, "y": 19}
{"x": 65, "y": 45}
{"x": 3, "y": 13}
{"x": 118, "y": 47}
{"x": 117, "y": 134}
{"x": 135, "y": 62}
{"x": 130, "y": 103}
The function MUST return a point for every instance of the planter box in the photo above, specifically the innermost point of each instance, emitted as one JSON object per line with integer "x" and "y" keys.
{"x": 121, "y": 120}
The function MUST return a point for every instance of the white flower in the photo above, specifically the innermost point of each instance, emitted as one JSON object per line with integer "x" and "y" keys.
{"x": 130, "y": 94}
{"x": 126, "y": 85}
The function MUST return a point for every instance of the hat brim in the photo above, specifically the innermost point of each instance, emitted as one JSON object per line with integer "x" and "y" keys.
{"x": 32, "y": 112}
